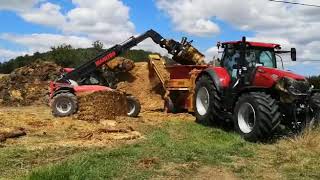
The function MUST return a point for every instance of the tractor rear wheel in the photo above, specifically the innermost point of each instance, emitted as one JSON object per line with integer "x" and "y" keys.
{"x": 134, "y": 106}
{"x": 256, "y": 116}
{"x": 64, "y": 104}
{"x": 207, "y": 102}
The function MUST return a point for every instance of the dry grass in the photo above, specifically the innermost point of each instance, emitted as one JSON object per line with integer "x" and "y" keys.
{"x": 3, "y": 75}
{"x": 290, "y": 158}
{"x": 43, "y": 130}
{"x": 196, "y": 150}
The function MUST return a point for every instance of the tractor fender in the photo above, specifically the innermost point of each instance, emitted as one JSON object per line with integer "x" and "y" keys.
{"x": 63, "y": 90}
{"x": 219, "y": 76}
{"x": 253, "y": 89}
{"x": 249, "y": 89}
{"x": 59, "y": 91}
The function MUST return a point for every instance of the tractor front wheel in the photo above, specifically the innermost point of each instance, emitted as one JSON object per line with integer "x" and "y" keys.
{"x": 64, "y": 104}
{"x": 256, "y": 116}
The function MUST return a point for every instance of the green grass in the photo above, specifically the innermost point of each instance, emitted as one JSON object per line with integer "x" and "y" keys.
{"x": 173, "y": 149}
{"x": 16, "y": 161}
{"x": 173, "y": 144}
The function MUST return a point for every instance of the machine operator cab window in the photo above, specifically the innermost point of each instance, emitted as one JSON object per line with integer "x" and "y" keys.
{"x": 254, "y": 57}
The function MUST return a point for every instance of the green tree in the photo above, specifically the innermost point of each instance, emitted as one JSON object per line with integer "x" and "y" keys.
{"x": 64, "y": 55}
{"x": 98, "y": 45}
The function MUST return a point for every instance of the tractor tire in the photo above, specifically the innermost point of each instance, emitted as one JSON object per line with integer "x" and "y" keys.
{"x": 315, "y": 101}
{"x": 256, "y": 116}
{"x": 207, "y": 102}
{"x": 134, "y": 106}
{"x": 64, "y": 104}
{"x": 169, "y": 106}
{"x": 315, "y": 106}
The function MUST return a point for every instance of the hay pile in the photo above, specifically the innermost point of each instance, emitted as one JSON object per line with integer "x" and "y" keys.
{"x": 28, "y": 85}
{"x": 102, "y": 106}
{"x": 147, "y": 89}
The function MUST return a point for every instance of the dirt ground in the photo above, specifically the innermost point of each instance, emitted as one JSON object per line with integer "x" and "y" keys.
{"x": 44, "y": 130}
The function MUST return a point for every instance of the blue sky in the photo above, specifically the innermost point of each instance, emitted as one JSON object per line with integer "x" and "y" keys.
{"x": 36, "y": 25}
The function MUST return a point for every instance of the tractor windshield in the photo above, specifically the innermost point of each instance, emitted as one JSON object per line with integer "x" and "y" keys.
{"x": 254, "y": 57}
{"x": 263, "y": 57}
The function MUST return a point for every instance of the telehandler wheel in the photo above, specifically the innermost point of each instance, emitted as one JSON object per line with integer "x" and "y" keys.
{"x": 134, "y": 106}
{"x": 207, "y": 102}
{"x": 256, "y": 116}
{"x": 64, "y": 104}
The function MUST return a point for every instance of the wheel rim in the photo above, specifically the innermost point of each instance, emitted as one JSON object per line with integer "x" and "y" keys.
{"x": 131, "y": 108}
{"x": 246, "y": 118}
{"x": 202, "y": 101}
{"x": 64, "y": 106}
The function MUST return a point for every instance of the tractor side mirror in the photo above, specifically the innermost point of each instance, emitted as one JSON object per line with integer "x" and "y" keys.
{"x": 293, "y": 54}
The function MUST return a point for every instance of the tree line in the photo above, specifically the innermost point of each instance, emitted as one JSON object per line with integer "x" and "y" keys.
{"x": 67, "y": 56}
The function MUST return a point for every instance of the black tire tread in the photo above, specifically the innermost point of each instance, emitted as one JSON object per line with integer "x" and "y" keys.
{"x": 316, "y": 99}
{"x": 70, "y": 95}
{"x": 268, "y": 116}
{"x": 215, "y": 104}
{"x": 137, "y": 104}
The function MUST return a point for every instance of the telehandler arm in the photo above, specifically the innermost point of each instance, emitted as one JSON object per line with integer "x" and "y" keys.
{"x": 92, "y": 65}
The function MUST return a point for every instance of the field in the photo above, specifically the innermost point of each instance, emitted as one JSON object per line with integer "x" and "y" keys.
{"x": 153, "y": 146}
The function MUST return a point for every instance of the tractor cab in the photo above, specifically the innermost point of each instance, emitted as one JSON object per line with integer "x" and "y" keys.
{"x": 255, "y": 55}
{"x": 245, "y": 60}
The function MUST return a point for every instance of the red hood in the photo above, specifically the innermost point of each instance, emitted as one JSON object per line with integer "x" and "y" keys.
{"x": 267, "y": 77}
{"x": 282, "y": 73}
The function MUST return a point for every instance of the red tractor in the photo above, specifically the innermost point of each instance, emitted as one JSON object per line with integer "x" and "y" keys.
{"x": 246, "y": 88}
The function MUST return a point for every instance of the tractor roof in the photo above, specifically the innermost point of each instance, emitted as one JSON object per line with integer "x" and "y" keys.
{"x": 255, "y": 44}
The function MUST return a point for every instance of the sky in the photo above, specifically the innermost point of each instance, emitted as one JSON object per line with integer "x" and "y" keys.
{"x": 29, "y": 26}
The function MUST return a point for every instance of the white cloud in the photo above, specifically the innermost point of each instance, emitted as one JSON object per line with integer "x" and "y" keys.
{"x": 149, "y": 45}
{"x": 43, "y": 42}
{"x": 17, "y": 5}
{"x": 108, "y": 21}
{"x": 211, "y": 53}
{"x": 47, "y": 14}
{"x": 8, "y": 54}
{"x": 186, "y": 18}
{"x": 105, "y": 20}
{"x": 292, "y": 25}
